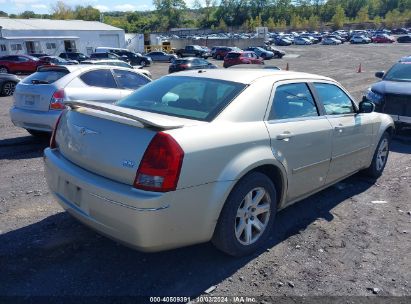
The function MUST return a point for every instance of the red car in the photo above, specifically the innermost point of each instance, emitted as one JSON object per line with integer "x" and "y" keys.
{"x": 242, "y": 57}
{"x": 19, "y": 63}
{"x": 382, "y": 39}
{"x": 221, "y": 52}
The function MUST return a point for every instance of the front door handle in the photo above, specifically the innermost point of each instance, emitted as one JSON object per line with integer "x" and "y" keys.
{"x": 284, "y": 136}
{"x": 339, "y": 128}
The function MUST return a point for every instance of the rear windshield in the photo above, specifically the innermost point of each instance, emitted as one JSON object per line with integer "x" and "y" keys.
{"x": 233, "y": 55}
{"x": 45, "y": 77}
{"x": 188, "y": 97}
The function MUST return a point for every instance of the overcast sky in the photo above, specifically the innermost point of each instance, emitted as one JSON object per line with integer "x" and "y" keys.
{"x": 43, "y": 6}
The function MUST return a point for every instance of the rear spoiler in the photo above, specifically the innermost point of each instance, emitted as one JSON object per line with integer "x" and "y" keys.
{"x": 150, "y": 120}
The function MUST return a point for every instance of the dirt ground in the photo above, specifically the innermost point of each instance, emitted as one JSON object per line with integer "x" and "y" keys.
{"x": 350, "y": 240}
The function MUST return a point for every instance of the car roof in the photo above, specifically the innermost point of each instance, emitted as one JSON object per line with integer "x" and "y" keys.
{"x": 102, "y": 60}
{"x": 249, "y": 75}
{"x": 83, "y": 67}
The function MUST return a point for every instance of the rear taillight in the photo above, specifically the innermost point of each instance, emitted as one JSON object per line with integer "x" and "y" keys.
{"x": 184, "y": 66}
{"x": 57, "y": 100}
{"x": 160, "y": 167}
{"x": 53, "y": 143}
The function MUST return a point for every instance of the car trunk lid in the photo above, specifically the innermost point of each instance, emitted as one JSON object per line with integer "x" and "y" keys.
{"x": 110, "y": 140}
{"x": 36, "y": 91}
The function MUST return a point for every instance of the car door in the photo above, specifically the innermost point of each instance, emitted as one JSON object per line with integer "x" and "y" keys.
{"x": 301, "y": 137}
{"x": 352, "y": 131}
{"x": 129, "y": 81}
{"x": 254, "y": 58}
{"x": 98, "y": 85}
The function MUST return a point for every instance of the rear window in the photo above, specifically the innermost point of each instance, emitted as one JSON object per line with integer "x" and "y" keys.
{"x": 180, "y": 61}
{"x": 233, "y": 55}
{"x": 45, "y": 77}
{"x": 188, "y": 97}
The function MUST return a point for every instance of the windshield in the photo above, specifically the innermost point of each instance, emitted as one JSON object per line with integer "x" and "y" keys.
{"x": 399, "y": 72}
{"x": 188, "y": 97}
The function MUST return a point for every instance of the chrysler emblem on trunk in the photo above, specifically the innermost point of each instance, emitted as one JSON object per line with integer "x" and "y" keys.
{"x": 84, "y": 131}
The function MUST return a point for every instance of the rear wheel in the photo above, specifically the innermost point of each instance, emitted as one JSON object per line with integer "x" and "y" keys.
{"x": 247, "y": 217}
{"x": 3, "y": 69}
{"x": 8, "y": 88}
{"x": 380, "y": 157}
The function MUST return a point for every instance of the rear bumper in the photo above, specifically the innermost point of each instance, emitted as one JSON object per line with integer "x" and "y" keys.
{"x": 34, "y": 120}
{"x": 147, "y": 221}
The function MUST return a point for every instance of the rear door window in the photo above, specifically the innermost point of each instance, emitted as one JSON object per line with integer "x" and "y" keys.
{"x": 129, "y": 80}
{"x": 334, "y": 99}
{"x": 292, "y": 100}
{"x": 99, "y": 78}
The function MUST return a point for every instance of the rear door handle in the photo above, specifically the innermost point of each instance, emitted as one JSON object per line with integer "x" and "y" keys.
{"x": 284, "y": 136}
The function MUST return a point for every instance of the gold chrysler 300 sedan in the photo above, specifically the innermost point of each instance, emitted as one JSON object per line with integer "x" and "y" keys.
{"x": 210, "y": 155}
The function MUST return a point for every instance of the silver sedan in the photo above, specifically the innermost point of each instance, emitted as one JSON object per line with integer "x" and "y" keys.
{"x": 39, "y": 98}
{"x": 210, "y": 155}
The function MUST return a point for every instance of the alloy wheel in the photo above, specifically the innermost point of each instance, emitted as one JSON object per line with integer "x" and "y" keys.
{"x": 382, "y": 154}
{"x": 252, "y": 216}
{"x": 8, "y": 88}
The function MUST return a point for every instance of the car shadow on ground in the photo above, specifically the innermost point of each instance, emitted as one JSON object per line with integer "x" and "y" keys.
{"x": 59, "y": 256}
{"x": 23, "y": 147}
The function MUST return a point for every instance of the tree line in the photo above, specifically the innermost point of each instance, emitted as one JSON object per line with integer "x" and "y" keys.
{"x": 243, "y": 14}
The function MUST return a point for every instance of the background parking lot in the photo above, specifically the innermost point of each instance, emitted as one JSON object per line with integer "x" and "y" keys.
{"x": 352, "y": 239}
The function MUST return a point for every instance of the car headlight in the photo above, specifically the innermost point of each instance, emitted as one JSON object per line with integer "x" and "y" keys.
{"x": 374, "y": 96}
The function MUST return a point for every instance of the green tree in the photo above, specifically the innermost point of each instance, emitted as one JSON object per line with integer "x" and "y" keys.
{"x": 3, "y": 14}
{"x": 313, "y": 22}
{"x": 270, "y": 24}
{"x": 170, "y": 12}
{"x": 88, "y": 13}
{"x": 392, "y": 18}
{"x": 61, "y": 11}
{"x": 339, "y": 17}
{"x": 295, "y": 21}
{"x": 362, "y": 15}
{"x": 222, "y": 26}
{"x": 27, "y": 15}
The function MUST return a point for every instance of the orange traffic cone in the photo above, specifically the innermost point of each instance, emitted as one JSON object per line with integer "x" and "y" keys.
{"x": 287, "y": 68}
{"x": 359, "y": 68}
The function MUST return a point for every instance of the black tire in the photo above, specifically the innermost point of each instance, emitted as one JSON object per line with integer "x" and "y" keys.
{"x": 224, "y": 237}
{"x": 8, "y": 88}
{"x": 4, "y": 69}
{"x": 40, "y": 134}
{"x": 375, "y": 169}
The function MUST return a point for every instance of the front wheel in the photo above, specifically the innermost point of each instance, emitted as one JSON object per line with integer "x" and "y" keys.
{"x": 247, "y": 217}
{"x": 380, "y": 157}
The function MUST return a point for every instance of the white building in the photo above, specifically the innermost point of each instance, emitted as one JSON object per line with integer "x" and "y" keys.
{"x": 135, "y": 42}
{"x": 25, "y": 36}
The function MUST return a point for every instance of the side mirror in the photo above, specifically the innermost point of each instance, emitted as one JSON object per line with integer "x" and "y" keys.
{"x": 366, "y": 106}
{"x": 379, "y": 74}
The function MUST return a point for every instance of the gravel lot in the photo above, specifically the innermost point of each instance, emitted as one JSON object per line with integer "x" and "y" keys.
{"x": 336, "y": 243}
